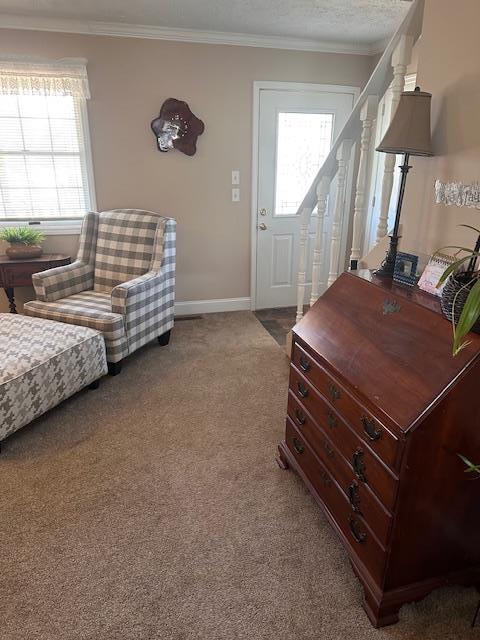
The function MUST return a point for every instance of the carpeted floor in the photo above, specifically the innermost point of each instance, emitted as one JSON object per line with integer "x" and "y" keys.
{"x": 152, "y": 509}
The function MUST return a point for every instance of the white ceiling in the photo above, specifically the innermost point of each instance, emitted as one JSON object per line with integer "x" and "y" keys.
{"x": 354, "y": 22}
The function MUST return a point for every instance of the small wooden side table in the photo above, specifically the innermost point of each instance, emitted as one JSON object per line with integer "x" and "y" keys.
{"x": 18, "y": 273}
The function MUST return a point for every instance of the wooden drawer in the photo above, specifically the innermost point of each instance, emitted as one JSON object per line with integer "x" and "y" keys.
{"x": 382, "y": 441}
{"x": 355, "y": 532}
{"x": 364, "y": 464}
{"x": 361, "y": 498}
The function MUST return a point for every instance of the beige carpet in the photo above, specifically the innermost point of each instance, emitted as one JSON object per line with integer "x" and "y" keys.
{"x": 153, "y": 509}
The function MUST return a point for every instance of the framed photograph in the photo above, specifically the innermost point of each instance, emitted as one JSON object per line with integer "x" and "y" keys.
{"x": 406, "y": 266}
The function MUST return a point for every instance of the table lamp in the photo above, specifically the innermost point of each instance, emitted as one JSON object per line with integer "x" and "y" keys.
{"x": 409, "y": 133}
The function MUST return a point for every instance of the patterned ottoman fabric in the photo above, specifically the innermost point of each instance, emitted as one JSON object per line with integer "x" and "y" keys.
{"x": 43, "y": 362}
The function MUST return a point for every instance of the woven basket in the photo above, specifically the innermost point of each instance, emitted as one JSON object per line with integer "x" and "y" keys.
{"x": 452, "y": 287}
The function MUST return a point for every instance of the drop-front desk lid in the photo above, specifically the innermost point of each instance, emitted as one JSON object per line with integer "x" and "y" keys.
{"x": 388, "y": 342}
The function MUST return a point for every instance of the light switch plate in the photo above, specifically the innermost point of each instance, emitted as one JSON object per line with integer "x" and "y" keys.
{"x": 235, "y": 195}
{"x": 235, "y": 176}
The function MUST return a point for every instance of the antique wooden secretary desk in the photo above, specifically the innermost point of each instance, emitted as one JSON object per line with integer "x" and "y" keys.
{"x": 378, "y": 410}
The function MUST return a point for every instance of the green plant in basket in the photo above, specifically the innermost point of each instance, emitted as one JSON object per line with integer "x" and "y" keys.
{"x": 21, "y": 235}
{"x": 463, "y": 283}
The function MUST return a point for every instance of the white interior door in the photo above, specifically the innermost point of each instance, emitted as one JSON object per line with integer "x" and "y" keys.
{"x": 296, "y": 131}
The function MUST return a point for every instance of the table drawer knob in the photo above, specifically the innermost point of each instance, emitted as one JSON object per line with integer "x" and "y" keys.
{"x": 354, "y": 525}
{"x": 302, "y": 390}
{"x": 298, "y": 446}
{"x": 326, "y": 480}
{"x": 334, "y": 392}
{"x": 328, "y": 449}
{"x": 301, "y": 418}
{"x": 304, "y": 364}
{"x": 359, "y": 466}
{"x": 370, "y": 428}
{"x": 354, "y": 497}
{"x": 332, "y": 420}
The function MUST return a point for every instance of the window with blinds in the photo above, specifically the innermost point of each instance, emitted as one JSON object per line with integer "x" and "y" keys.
{"x": 43, "y": 157}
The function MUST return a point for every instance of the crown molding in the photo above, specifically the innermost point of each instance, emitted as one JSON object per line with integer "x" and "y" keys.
{"x": 123, "y": 30}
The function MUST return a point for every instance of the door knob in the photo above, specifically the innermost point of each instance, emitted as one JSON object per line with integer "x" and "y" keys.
{"x": 263, "y": 212}
{"x": 262, "y": 226}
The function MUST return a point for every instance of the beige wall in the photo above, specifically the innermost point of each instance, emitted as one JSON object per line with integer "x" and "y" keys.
{"x": 129, "y": 80}
{"x": 448, "y": 67}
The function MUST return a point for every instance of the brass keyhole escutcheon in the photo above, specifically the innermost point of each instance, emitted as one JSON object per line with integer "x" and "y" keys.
{"x": 263, "y": 212}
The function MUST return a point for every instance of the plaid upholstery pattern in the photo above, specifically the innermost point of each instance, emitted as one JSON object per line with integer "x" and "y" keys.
{"x": 124, "y": 250}
{"x": 131, "y": 313}
{"x": 65, "y": 281}
{"x": 91, "y": 309}
{"x": 147, "y": 302}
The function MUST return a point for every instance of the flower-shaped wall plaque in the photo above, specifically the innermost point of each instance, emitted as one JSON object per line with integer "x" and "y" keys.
{"x": 177, "y": 127}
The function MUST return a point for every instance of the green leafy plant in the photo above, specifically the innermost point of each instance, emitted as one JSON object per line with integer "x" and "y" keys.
{"x": 21, "y": 235}
{"x": 470, "y": 466}
{"x": 470, "y": 278}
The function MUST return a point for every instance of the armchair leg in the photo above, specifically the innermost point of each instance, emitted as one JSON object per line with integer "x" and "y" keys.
{"x": 114, "y": 368}
{"x": 164, "y": 339}
{"x": 94, "y": 385}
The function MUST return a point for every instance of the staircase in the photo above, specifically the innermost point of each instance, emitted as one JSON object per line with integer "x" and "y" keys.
{"x": 342, "y": 187}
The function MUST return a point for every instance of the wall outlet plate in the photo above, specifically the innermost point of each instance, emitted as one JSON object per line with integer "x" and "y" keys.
{"x": 235, "y": 176}
{"x": 235, "y": 195}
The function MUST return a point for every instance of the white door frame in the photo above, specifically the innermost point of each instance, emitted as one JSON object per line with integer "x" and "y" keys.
{"x": 258, "y": 85}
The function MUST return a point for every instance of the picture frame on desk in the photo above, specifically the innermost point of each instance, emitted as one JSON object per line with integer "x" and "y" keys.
{"x": 406, "y": 269}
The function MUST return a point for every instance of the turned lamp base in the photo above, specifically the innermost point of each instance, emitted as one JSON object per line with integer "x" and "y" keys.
{"x": 387, "y": 267}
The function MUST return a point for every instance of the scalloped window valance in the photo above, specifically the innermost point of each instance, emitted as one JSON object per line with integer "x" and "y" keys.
{"x": 67, "y": 77}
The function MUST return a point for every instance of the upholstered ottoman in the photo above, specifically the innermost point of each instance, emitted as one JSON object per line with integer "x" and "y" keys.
{"x": 42, "y": 362}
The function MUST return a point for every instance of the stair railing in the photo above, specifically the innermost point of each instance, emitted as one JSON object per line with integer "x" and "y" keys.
{"x": 356, "y": 136}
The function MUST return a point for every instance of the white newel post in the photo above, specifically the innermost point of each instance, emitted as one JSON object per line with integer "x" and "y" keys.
{"x": 343, "y": 157}
{"x": 323, "y": 189}
{"x": 367, "y": 117}
{"x": 302, "y": 264}
{"x": 401, "y": 58}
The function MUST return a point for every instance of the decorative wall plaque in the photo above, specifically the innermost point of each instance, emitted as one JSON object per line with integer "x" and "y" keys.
{"x": 177, "y": 127}
{"x": 458, "y": 193}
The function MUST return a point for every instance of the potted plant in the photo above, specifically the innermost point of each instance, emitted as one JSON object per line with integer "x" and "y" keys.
{"x": 460, "y": 299}
{"x": 24, "y": 242}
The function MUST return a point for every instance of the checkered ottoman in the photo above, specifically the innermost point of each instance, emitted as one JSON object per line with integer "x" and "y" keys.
{"x": 42, "y": 362}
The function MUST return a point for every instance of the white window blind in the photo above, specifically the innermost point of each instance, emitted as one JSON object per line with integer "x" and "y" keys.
{"x": 44, "y": 154}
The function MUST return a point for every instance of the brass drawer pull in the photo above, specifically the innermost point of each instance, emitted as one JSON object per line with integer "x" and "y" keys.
{"x": 302, "y": 390}
{"x": 334, "y": 392}
{"x": 359, "y": 536}
{"x": 304, "y": 364}
{"x": 359, "y": 465}
{"x": 300, "y": 417}
{"x": 354, "y": 497}
{"x": 326, "y": 480}
{"x": 330, "y": 452}
{"x": 369, "y": 426}
{"x": 298, "y": 446}
{"x": 331, "y": 419}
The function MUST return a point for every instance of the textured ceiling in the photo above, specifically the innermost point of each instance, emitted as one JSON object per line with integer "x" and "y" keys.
{"x": 349, "y": 21}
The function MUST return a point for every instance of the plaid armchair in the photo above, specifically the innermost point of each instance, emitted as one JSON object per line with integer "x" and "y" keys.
{"x": 122, "y": 282}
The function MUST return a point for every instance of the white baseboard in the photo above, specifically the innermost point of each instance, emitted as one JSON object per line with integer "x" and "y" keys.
{"x": 195, "y": 307}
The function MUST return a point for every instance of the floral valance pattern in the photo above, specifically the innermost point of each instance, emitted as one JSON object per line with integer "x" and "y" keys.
{"x": 58, "y": 78}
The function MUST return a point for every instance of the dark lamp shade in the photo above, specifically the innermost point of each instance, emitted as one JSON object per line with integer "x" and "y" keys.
{"x": 409, "y": 131}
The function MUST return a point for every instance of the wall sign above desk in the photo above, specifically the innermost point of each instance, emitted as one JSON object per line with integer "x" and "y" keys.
{"x": 458, "y": 194}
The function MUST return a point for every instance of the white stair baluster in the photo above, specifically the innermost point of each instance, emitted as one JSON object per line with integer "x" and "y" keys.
{"x": 302, "y": 264}
{"x": 343, "y": 157}
{"x": 323, "y": 189}
{"x": 367, "y": 117}
{"x": 401, "y": 58}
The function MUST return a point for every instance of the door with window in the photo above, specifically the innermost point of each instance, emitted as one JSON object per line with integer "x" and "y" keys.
{"x": 296, "y": 131}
